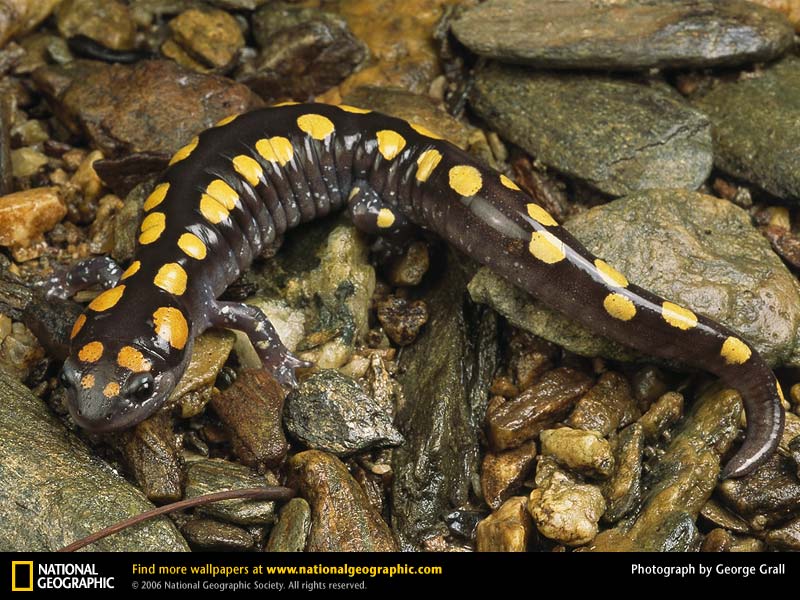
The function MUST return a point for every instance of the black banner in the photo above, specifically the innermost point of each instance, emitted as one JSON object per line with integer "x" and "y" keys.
{"x": 371, "y": 573}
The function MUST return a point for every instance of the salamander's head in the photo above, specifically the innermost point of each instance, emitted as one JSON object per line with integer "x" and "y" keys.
{"x": 126, "y": 356}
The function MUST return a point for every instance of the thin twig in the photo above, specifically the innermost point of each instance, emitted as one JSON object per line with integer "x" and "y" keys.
{"x": 260, "y": 493}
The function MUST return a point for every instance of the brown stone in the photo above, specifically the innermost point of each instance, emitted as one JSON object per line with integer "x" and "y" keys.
{"x": 342, "y": 518}
{"x": 608, "y": 406}
{"x": 154, "y": 458}
{"x": 506, "y": 530}
{"x": 108, "y": 22}
{"x": 503, "y": 472}
{"x": 540, "y": 406}
{"x": 252, "y": 409}
{"x": 25, "y": 216}
{"x": 662, "y": 415}
{"x": 211, "y": 37}
{"x": 150, "y": 106}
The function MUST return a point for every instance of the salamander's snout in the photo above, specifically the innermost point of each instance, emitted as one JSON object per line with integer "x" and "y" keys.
{"x": 103, "y": 398}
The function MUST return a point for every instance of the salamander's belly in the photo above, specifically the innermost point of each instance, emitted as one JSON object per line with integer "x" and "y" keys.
{"x": 237, "y": 187}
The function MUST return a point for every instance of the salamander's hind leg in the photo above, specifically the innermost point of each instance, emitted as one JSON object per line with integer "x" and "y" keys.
{"x": 252, "y": 321}
{"x": 98, "y": 270}
{"x": 373, "y": 216}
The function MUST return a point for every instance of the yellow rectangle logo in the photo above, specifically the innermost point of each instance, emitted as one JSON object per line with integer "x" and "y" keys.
{"x": 18, "y": 566}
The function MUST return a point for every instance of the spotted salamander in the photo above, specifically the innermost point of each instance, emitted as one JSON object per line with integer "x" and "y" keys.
{"x": 236, "y": 188}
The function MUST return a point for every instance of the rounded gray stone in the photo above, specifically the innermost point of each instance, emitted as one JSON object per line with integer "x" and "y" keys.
{"x": 586, "y": 34}
{"x": 618, "y": 136}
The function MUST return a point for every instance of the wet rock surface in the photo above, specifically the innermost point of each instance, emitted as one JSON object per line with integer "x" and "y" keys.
{"x": 302, "y": 52}
{"x": 584, "y": 452}
{"x": 680, "y": 481}
{"x": 755, "y": 127}
{"x": 290, "y": 533}
{"x": 252, "y": 409}
{"x": 581, "y": 34}
{"x": 205, "y": 476}
{"x": 59, "y": 482}
{"x": 151, "y": 106}
{"x": 506, "y": 530}
{"x": 563, "y": 508}
{"x": 333, "y": 413}
{"x": 108, "y": 22}
{"x": 623, "y": 489}
{"x": 445, "y": 378}
{"x": 706, "y": 251}
{"x": 342, "y": 519}
{"x": 502, "y": 473}
{"x": 617, "y": 136}
{"x": 154, "y": 459}
{"x": 537, "y": 408}
{"x": 608, "y": 406}
{"x": 204, "y": 39}
{"x": 25, "y": 216}
{"x": 208, "y": 534}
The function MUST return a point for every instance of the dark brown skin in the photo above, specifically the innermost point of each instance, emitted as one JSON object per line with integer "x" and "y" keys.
{"x": 242, "y": 184}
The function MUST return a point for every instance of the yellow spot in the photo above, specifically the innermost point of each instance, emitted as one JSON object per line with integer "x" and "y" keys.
{"x": 79, "y": 323}
{"x": 609, "y": 274}
{"x": 424, "y": 131}
{"x": 465, "y": 180}
{"x": 91, "y": 352}
{"x": 170, "y": 326}
{"x": 508, "y": 183}
{"x": 317, "y": 126}
{"x": 735, "y": 351}
{"x": 131, "y": 270}
{"x": 107, "y": 299}
{"x": 87, "y": 381}
{"x": 157, "y": 197}
{"x": 212, "y": 210}
{"x": 354, "y": 109}
{"x": 546, "y": 247}
{"x": 287, "y": 103}
{"x": 677, "y": 316}
{"x": 184, "y": 152}
{"x": 426, "y": 163}
{"x": 223, "y": 193}
{"x": 537, "y": 213}
{"x": 385, "y": 218}
{"x": 152, "y": 227}
{"x": 226, "y": 120}
{"x": 275, "y": 149}
{"x": 192, "y": 246}
{"x": 390, "y": 143}
{"x": 619, "y": 307}
{"x": 248, "y": 168}
{"x": 111, "y": 389}
{"x": 133, "y": 360}
{"x": 353, "y": 193}
{"x": 171, "y": 278}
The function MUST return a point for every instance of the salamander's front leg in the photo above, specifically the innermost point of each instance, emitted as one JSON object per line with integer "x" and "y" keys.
{"x": 252, "y": 321}
{"x": 97, "y": 270}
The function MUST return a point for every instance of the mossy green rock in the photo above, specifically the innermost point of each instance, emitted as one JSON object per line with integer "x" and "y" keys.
{"x": 55, "y": 491}
{"x": 756, "y": 127}
{"x": 696, "y": 250}
{"x": 617, "y": 136}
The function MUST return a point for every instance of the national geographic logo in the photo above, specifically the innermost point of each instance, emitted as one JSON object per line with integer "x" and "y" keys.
{"x": 57, "y": 576}
{"x": 21, "y": 575}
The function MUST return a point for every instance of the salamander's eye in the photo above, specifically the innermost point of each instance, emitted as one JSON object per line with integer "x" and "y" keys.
{"x": 139, "y": 387}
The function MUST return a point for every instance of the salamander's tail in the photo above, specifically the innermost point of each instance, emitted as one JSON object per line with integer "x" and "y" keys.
{"x": 762, "y": 397}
